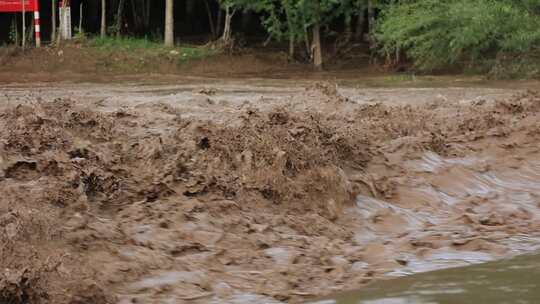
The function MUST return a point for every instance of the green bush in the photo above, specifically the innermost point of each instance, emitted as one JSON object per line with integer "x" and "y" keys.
{"x": 437, "y": 34}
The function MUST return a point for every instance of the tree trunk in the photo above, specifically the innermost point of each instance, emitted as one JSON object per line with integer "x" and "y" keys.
{"x": 15, "y": 25}
{"x": 23, "y": 26}
{"x": 30, "y": 34}
{"x": 137, "y": 21}
{"x": 227, "y": 25}
{"x": 53, "y": 20}
{"x": 210, "y": 19}
{"x": 59, "y": 35}
{"x": 169, "y": 23}
{"x": 317, "y": 49}
{"x": 225, "y": 35}
{"x": 120, "y": 18}
{"x": 348, "y": 28}
{"x": 64, "y": 30}
{"x": 360, "y": 22}
{"x": 227, "y": 30}
{"x": 371, "y": 16}
{"x": 371, "y": 22}
{"x": 80, "y": 17}
{"x": 307, "y": 43}
{"x": 291, "y": 31}
{"x": 146, "y": 14}
{"x": 219, "y": 22}
{"x": 291, "y": 47}
{"x": 103, "y": 31}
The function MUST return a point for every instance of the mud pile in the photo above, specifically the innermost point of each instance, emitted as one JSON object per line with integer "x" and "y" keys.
{"x": 146, "y": 202}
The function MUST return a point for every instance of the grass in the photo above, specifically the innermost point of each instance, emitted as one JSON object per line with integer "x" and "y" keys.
{"x": 125, "y": 43}
{"x": 151, "y": 48}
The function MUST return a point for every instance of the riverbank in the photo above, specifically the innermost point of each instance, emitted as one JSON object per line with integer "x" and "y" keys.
{"x": 76, "y": 63}
{"x": 235, "y": 193}
{"x": 97, "y": 59}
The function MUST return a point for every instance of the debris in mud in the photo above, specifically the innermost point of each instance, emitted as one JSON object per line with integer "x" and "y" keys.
{"x": 207, "y": 91}
{"x": 90, "y": 293}
{"x": 21, "y": 286}
{"x": 21, "y": 170}
{"x": 329, "y": 91}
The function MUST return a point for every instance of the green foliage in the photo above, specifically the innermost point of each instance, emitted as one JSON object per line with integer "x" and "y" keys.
{"x": 187, "y": 53}
{"x": 80, "y": 36}
{"x": 124, "y": 43}
{"x": 291, "y": 19}
{"x": 150, "y": 48}
{"x": 439, "y": 33}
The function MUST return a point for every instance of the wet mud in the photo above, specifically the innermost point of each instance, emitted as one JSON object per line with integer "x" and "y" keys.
{"x": 257, "y": 201}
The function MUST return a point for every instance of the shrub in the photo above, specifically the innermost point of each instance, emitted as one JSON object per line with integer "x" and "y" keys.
{"x": 436, "y": 34}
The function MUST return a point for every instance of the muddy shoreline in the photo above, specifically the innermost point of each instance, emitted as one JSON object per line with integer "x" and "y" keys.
{"x": 201, "y": 197}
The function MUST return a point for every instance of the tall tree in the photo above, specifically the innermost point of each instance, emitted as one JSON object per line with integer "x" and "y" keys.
{"x": 292, "y": 37}
{"x": 360, "y": 22}
{"x": 64, "y": 29}
{"x": 80, "y": 17}
{"x": 227, "y": 29}
{"x": 231, "y": 7}
{"x": 304, "y": 20}
{"x": 53, "y": 20}
{"x": 103, "y": 31}
{"x": 210, "y": 19}
{"x": 169, "y": 23}
{"x": 120, "y": 17}
{"x": 317, "y": 48}
{"x": 371, "y": 22}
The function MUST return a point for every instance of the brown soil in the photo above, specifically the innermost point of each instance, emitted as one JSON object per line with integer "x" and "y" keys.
{"x": 205, "y": 201}
{"x": 79, "y": 62}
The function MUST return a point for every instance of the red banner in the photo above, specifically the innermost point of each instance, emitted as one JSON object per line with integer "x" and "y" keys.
{"x": 17, "y": 5}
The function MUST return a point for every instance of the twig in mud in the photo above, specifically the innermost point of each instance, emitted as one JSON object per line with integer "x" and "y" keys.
{"x": 197, "y": 297}
{"x": 246, "y": 272}
{"x": 99, "y": 219}
{"x": 302, "y": 293}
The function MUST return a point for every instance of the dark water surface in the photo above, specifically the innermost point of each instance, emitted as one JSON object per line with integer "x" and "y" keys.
{"x": 512, "y": 281}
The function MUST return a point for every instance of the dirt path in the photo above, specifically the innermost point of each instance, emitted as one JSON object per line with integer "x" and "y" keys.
{"x": 256, "y": 191}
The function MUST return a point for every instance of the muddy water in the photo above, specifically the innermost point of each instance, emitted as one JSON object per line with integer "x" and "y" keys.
{"x": 234, "y": 91}
{"x": 472, "y": 274}
{"x": 242, "y": 193}
{"x": 424, "y": 213}
{"x": 509, "y": 281}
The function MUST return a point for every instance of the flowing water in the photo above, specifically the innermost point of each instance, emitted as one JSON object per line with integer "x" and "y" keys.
{"x": 508, "y": 281}
{"x": 446, "y": 275}
{"x": 468, "y": 209}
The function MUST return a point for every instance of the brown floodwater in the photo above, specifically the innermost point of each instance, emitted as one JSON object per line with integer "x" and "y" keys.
{"x": 508, "y": 281}
{"x": 269, "y": 191}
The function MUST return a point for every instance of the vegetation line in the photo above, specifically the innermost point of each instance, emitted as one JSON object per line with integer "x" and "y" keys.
{"x": 497, "y": 37}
